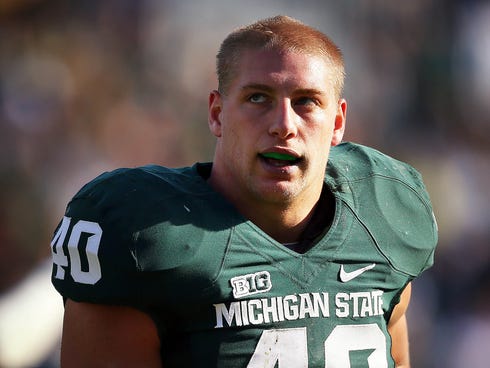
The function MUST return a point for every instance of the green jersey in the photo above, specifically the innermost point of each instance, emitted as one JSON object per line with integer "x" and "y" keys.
{"x": 222, "y": 293}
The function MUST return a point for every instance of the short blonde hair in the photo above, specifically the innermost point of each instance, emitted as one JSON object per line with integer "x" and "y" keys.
{"x": 283, "y": 34}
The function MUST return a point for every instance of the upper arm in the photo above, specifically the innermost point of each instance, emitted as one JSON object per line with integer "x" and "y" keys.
{"x": 398, "y": 329}
{"x": 97, "y": 335}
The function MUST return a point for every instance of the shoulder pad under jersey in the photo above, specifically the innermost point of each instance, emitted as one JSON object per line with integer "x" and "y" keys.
{"x": 389, "y": 198}
{"x": 125, "y": 222}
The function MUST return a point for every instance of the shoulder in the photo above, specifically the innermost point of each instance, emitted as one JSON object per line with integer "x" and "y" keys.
{"x": 123, "y": 186}
{"x": 351, "y": 162}
{"x": 128, "y": 195}
{"x": 389, "y": 198}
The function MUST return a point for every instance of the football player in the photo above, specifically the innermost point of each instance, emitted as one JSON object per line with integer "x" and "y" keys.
{"x": 291, "y": 249}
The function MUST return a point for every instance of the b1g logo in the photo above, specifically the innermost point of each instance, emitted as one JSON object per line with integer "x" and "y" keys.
{"x": 253, "y": 283}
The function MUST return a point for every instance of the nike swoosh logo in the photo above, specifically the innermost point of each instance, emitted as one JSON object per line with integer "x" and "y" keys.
{"x": 348, "y": 276}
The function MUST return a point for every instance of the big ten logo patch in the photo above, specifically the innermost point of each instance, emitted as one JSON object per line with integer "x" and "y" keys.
{"x": 252, "y": 283}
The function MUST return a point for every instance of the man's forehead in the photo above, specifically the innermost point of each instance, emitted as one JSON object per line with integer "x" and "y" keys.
{"x": 268, "y": 69}
{"x": 279, "y": 55}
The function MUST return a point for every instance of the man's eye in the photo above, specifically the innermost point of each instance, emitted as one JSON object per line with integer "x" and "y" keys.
{"x": 306, "y": 101}
{"x": 257, "y": 98}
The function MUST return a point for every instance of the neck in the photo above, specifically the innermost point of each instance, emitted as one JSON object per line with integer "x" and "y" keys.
{"x": 284, "y": 221}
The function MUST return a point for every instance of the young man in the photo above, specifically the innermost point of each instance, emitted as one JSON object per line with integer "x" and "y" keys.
{"x": 281, "y": 253}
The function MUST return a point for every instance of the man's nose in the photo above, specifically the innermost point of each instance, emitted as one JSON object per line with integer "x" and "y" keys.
{"x": 284, "y": 120}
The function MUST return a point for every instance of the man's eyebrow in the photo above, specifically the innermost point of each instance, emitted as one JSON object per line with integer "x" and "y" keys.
{"x": 257, "y": 86}
{"x": 309, "y": 91}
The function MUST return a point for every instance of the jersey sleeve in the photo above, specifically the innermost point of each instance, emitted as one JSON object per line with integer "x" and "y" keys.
{"x": 92, "y": 249}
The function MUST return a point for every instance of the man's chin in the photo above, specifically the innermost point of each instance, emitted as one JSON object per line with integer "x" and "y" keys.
{"x": 278, "y": 191}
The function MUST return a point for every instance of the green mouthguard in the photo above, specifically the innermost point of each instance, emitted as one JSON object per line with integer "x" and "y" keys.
{"x": 279, "y": 156}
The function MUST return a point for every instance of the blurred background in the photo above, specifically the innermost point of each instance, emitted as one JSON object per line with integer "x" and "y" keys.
{"x": 88, "y": 86}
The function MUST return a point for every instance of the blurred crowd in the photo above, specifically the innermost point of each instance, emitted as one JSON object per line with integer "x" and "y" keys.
{"x": 88, "y": 86}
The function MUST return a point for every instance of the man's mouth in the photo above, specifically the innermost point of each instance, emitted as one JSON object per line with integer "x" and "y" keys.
{"x": 279, "y": 159}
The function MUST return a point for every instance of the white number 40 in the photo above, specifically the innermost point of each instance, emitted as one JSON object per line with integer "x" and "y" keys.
{"x": 90, "y": 249}
{"x": 288, "y": 347}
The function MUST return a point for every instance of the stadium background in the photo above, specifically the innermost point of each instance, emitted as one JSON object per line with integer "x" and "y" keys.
{"x": 88, "y": 86}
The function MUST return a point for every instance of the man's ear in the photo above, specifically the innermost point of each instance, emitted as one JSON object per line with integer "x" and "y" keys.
{"x": 339, "y": 128}
{"x": 214, "y": 113}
